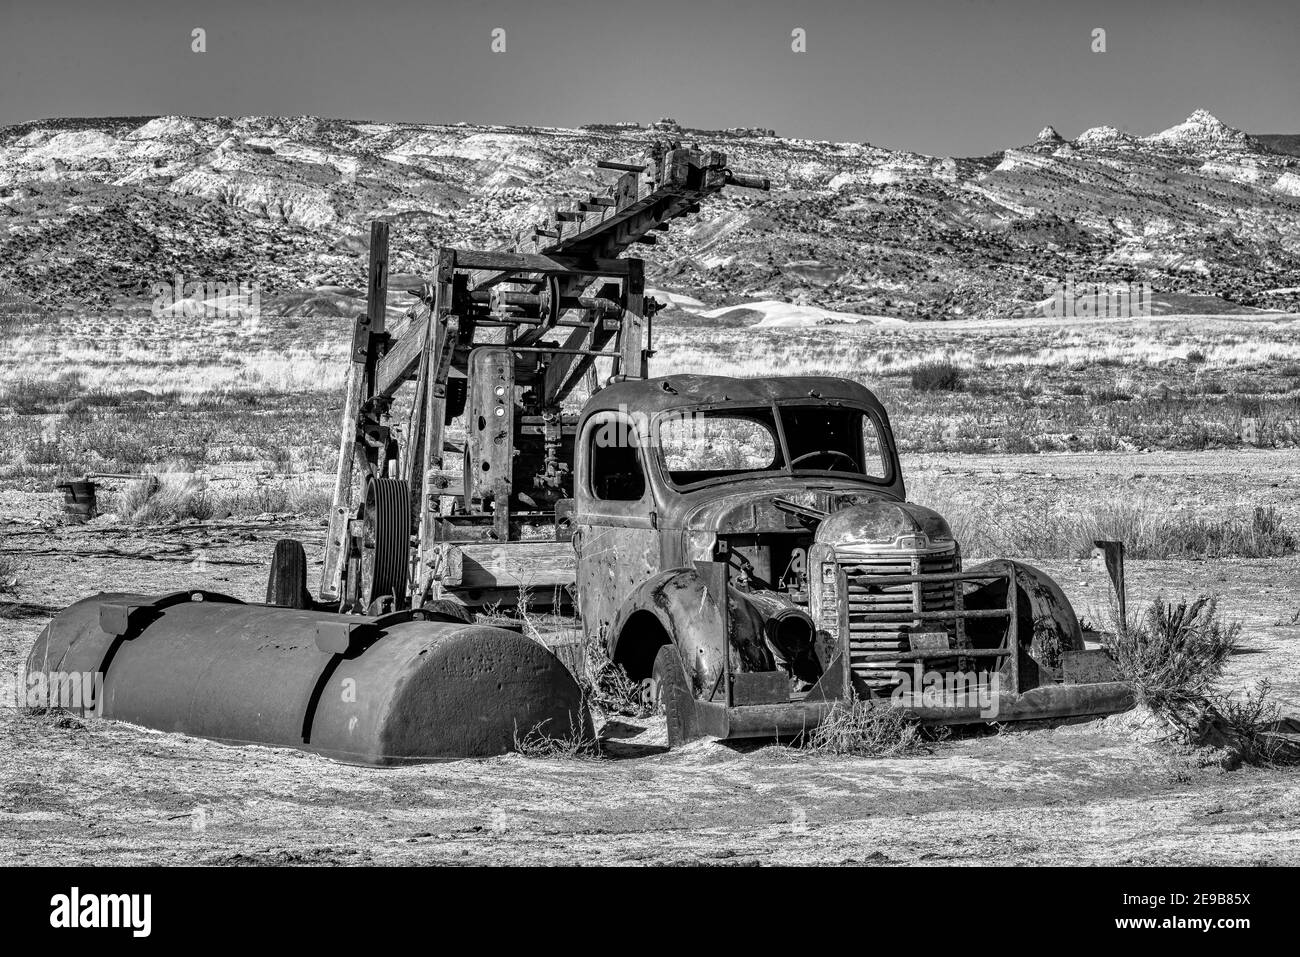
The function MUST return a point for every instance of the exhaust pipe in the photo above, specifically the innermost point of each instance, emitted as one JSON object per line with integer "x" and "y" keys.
{"x": 787, "y": 630}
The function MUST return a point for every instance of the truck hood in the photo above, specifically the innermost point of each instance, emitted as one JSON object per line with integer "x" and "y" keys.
{"x": 750, "y": 510}
{"x": 870, "y": 528}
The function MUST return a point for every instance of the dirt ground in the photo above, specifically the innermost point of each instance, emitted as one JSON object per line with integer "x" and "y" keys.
{"x": 74, "y": 791}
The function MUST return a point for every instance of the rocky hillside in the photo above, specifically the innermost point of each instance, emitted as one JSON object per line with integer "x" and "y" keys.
{"x": 94, "y": 211}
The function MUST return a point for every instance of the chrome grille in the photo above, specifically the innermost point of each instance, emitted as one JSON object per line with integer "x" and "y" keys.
{"x": 892, "y": 634}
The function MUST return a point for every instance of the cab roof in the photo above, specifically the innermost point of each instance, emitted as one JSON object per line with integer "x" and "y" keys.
{"x": 665, "y": 393}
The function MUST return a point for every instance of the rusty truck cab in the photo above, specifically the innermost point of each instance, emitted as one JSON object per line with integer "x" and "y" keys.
{"x": 692, "y": 468}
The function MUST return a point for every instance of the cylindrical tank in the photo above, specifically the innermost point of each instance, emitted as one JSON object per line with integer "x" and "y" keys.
{"x": 384, "y": 690}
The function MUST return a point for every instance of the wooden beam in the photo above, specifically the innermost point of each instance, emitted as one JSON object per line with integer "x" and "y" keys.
{"x": 402, "y": 359}
{"x": 517, "y": 565}
{"x": 546, "y": 263}
{"x": 624, "y": 167}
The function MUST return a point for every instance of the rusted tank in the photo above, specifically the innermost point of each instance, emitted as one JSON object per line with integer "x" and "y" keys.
{"x": 409, "y": 687}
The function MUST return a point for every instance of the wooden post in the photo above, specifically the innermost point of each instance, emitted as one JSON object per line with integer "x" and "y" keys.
{"x": 360, "y": 385}
{"x": 631, "y": 333}
{"x": 1112, "y": 554}
{"x": 442, "y": 334}
{"x": 340, "y": 506}
{"x": 375, "y": 320}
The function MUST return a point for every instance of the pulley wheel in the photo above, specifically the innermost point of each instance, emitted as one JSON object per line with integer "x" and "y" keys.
{"x": 549, "y": 306}
{"x": 386, "y": 546}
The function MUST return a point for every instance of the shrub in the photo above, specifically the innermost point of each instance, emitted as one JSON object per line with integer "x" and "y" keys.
{"x": 1173, "y": 653}
{"x": 940, "y": 375}
{"x": 1249, "y": 721}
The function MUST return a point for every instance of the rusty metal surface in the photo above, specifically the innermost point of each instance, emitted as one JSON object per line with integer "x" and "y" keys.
{"x": 1046, "y": 623}
{"x": 677, "y": 392}
{"x": 678, "y": 603}
{"x": 640, "y": 599}
{"x": 384, "y": 691}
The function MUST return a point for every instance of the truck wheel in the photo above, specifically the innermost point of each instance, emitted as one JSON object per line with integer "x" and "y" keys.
{"x": 673, "y": 690}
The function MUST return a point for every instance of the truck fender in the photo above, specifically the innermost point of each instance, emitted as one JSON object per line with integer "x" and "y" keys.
{"x": 1046, "y": 622}
{"x": 674, "y": 607}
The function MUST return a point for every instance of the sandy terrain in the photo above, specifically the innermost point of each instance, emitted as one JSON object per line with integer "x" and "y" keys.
{"x": 1097, "y": 792}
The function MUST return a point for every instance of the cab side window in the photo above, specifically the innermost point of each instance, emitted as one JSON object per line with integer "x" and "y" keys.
{"x": 617, "y": 474}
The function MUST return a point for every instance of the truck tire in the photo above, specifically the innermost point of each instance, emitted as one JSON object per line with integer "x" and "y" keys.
{"x": 673, "y": 690}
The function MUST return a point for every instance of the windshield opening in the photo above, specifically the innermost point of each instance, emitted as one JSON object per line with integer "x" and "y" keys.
{"x": 699, "y": 446}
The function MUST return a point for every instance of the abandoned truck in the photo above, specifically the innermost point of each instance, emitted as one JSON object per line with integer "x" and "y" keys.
{"x": 743, "y": 547}
{"x": 746, "y": 547}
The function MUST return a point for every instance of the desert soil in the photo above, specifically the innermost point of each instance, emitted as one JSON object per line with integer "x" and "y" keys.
{"x": 74, "y": 791}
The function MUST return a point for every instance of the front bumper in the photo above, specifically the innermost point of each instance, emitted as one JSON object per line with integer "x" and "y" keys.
{"x": 1050, "y": 702}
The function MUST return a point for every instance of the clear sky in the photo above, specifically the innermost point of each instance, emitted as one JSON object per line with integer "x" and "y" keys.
{"x": 960, "y": 77}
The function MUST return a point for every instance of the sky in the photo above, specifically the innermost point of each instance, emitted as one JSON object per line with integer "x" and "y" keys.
{"x": 960, "y": 77}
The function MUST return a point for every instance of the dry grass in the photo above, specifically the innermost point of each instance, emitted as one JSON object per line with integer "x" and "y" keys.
{"x": 608, "y": 687}
{"x": 8, "y": 577}
{"x": 170, "y": 498}
{"x": 1189, "y": 384}
{"x": 1002, "y": 522}
{"x": 868, "y": 729}
{"x": 575, "y": 742}
{"x": 113, "y": 394}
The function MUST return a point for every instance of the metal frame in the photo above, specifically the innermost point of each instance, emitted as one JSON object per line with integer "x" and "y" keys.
{"x": 569, "y": 277}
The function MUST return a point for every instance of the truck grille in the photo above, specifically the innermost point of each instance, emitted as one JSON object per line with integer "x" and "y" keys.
{"x": 892, "y": 635}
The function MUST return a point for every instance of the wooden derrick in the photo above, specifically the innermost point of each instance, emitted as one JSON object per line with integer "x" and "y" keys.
{"x": 501, "y": 337}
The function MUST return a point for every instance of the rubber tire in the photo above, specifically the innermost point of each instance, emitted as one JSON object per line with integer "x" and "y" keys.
{"x": 673, "y": 689}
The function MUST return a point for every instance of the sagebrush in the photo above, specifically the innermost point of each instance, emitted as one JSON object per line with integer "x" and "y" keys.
{"x": 1173, "y": 654}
